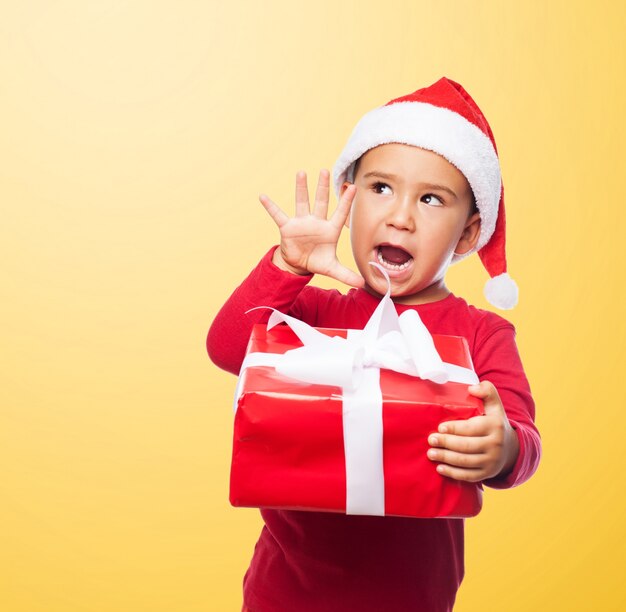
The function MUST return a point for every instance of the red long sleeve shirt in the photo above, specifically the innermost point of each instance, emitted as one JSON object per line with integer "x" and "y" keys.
{"x": 312, "y": 561}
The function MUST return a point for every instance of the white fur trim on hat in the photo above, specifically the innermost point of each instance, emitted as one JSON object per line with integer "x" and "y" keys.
{"x": 439, "y": 130}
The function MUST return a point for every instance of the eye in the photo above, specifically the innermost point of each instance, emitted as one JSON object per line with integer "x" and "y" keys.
{"x": 433, "y": 200}
{"x": 378, "y": 186}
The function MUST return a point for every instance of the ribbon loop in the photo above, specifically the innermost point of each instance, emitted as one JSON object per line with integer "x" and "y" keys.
{"x": 335, "y": 362}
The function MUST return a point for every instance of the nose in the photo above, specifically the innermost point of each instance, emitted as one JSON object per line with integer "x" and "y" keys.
{"x": 400, "y": 214}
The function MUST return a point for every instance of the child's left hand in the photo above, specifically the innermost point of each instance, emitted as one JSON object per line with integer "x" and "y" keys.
{"x": 477, "y": 448}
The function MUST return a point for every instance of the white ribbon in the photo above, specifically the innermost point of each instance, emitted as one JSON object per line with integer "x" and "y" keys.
{"x": 400, "y": 343}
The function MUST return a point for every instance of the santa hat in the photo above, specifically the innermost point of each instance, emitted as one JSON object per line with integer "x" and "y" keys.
{"x": 444, "y": 119}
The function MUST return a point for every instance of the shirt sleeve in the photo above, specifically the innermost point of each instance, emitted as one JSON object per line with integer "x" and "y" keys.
{"x": 266, "y": 285}
{"x": 497, "y": 360}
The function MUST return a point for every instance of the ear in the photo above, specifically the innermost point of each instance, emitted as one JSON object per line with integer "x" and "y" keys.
{"x": 470, "y": 235}
{"x": 342, "y": 190}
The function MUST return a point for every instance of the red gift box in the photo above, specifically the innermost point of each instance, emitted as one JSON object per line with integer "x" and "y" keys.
{"x": 288, "y": 448}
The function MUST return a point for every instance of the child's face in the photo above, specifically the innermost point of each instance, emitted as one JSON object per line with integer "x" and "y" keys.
{"x": 411, "y": 228}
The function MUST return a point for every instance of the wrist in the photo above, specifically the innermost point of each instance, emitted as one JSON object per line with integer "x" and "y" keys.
{"x": 279, "y": 262}
{"x": 513, "y": 446}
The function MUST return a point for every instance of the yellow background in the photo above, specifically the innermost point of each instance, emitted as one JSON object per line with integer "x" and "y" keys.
{"x": 135, "y": 138}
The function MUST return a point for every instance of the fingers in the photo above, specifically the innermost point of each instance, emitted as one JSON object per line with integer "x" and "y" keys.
{"x": 342, "y": 211}
{"x": 474, "y": 426}
{"x": 302, "y": 195}
{"x": 280, "y": 218}
{"x": 466, "y": 474}
{"x": 476, "y": 448}
{"x": 484, "y": 390}
{"x": 461, "y": 444}
{"x": 320, "y": 209}
{"x": 345, "y": 275}
{"x": 490, "y": 396}
{"x": 461, "y": 459}
{"x": 464, "y": 460}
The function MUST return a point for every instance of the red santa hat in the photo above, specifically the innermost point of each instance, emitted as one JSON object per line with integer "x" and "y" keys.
{"x": 443, "y": 118}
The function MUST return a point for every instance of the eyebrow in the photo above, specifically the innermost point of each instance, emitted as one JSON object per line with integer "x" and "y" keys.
{"x": 426, "y": 185}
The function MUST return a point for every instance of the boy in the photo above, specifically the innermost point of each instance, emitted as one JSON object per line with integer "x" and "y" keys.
{"x": 421, "y": 177}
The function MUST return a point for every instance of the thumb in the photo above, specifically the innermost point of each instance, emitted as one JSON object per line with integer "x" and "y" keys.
{"x": 489, "y": 394}
{"x": 345, "y": 275}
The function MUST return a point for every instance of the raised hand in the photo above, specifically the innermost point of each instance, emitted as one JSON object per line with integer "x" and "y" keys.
{"x": 308, "y": 241}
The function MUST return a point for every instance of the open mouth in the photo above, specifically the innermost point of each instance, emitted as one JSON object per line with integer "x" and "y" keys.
{"x": 393, "y": 257}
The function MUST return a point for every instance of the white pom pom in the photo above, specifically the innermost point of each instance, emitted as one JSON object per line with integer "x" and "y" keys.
{"x": 501, "y": 291}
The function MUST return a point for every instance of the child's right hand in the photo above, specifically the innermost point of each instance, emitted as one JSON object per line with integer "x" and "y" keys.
{"x": 308, "y": 242}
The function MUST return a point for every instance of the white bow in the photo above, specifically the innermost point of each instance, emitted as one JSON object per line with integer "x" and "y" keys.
{"x": 388, "y": 341}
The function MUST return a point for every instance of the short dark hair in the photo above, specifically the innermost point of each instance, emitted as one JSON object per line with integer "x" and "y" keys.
{"x": 356, "y": 167}
{"x": 474, "y": 207}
